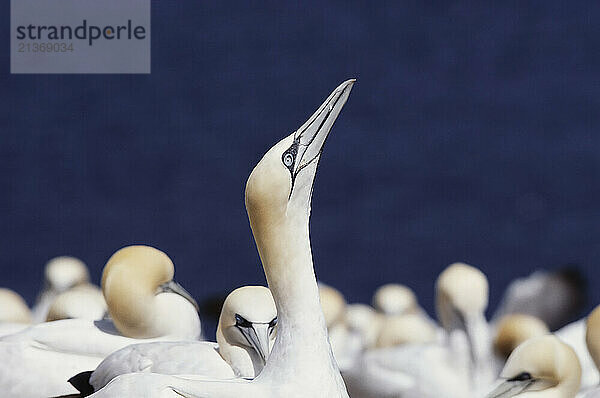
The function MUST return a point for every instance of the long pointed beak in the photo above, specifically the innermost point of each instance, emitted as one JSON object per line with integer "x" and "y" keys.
{"x": 174, "y": 287}
{"x": 312, "y": 135}
{"x": 258, "y": 337}
{"x": 510, "y": 388}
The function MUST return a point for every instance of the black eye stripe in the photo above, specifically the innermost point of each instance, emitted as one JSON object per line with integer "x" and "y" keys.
{"x": 521, "y": 377}
{"x": 240, "y": 321}
{"x": 289, "y": 157}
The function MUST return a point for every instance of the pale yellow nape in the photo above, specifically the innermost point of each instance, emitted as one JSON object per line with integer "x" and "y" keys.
{"x": 549, "y": 359}
{"x": 269, "y": 185}
{"x": 514, "y": 329}
{"x": 130, "y": 280}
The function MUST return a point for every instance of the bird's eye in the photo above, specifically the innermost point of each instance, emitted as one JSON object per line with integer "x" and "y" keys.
{"x": 288, "y": 159}
{"x": 242, "y": 322}
{"x": 522, "y": 377}
{"x": 273, "y": 323}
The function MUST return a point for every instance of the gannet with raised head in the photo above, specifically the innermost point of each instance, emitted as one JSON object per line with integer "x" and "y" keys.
{"x": 462, "y": 293}
{"x": 60, "y": 274}
{"x": 245, "y": 335}
{"x": 14, "y": 312}
{"x": 542, "y": 367}
{"x": 144, "y": 303}
{"x": 278, "y": 201}
{"x": 81, "y": 302}
{"x": 429, "y": 368}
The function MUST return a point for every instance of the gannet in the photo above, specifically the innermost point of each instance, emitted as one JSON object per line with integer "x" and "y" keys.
{"x": 14, "y": 312}
{"x": 144, "y": 303}
{"x": 510, "y": 332}
{"x": 84, "y": 301}
{"x": 278, "y": 198}
{"x": 456, "y": 367}
{"x": 245, "y": 335}
{"x": 363, "y": 320}
{"x": 60, "y": 274}
{"x": 408, "y": 361}
{"x": 462, "y": 293}
{"x": 395, "y": 299}
{"x": 592, "y": 339}
{"x": 515, "y": 329}
{"x": 542, "y": 367}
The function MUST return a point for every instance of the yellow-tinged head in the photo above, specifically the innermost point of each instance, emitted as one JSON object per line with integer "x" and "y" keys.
{"x": 131, "y": 281}
{"x": 541, "y": 364}
{"x": 514, "y": 329}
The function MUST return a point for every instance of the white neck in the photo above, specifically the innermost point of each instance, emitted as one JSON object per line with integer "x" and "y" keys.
{"x": 302, "y": 346}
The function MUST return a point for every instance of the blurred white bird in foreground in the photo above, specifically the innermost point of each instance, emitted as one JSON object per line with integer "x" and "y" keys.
{"x": 144, "y": 303}
{"x": 245, "y": 335}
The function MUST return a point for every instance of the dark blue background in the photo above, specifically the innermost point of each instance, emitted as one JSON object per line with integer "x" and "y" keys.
{"x": 472, "y": 135}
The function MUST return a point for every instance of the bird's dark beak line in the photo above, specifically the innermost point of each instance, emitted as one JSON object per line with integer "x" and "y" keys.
{"x": 258, "y": 336}
{"x": 510, "y": 389}
{"x": 174, "y": 287}
{"x": 312, "y": 134}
